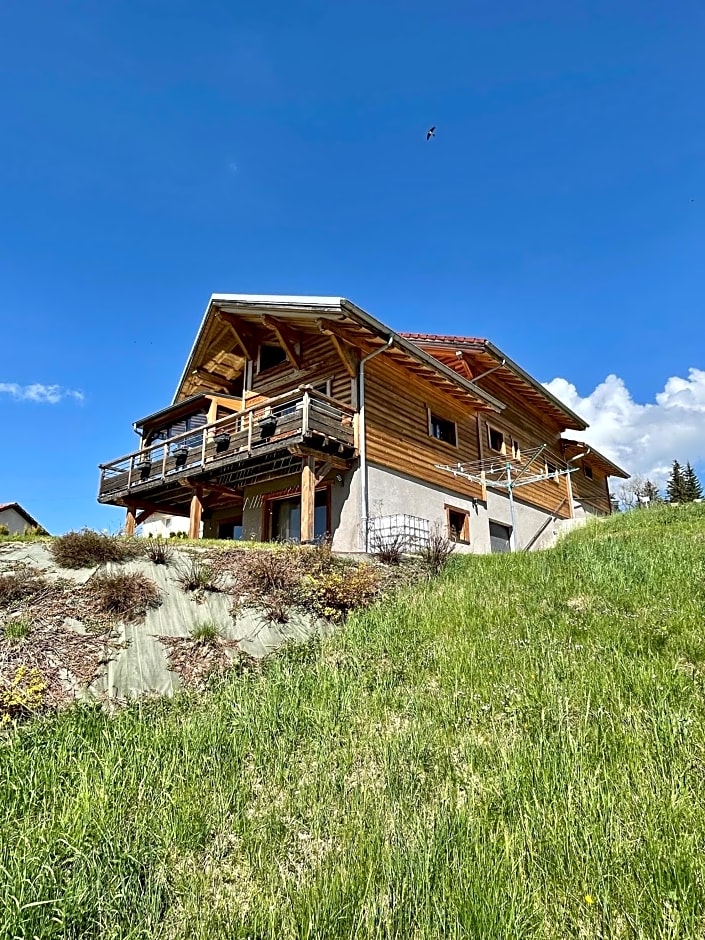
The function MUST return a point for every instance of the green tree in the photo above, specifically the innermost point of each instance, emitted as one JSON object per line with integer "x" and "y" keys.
{"x": 676, "y": 489}
{"x": 649, "y": 494}
{"x": 692, "y": 484}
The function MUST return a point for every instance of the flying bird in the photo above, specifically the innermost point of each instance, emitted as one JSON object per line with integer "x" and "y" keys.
{"x": 431, "y": 132}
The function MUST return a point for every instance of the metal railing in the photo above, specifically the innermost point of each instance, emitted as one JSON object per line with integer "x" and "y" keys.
{"x": 303, "y": 411}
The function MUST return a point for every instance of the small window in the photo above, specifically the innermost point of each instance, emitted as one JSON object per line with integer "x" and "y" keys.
{"x": 496, "y": 439}
{"x": 516, "y": 450}
{"x": 458, "y": 525}
{"x": 552, "y": 470}
{"x": 323, "y": 387}
{"x": 443, "y": 430}
{"x": 587, "y": 471}
{"x": 270, "y": 356}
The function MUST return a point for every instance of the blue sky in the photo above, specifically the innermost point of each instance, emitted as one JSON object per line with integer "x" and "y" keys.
{"x": 153, "y": 152}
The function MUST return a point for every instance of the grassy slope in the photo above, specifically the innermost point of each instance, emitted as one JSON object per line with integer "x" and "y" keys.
{"x": 515, "y": 750}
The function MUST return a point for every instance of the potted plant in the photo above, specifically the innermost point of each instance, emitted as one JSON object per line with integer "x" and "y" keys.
{"x": 144, "y": 467}
{"x": 222, "y": 441}
{"x": 181, "y": 454}
{"x": 267, "y": 422}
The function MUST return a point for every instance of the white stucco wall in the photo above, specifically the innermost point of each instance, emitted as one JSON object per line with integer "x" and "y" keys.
{"x": 161, "y": 525}
{"x": 14, "y": 520}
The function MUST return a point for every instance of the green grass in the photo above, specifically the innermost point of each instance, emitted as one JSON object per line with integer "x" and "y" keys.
{"x": 516, "y": 749}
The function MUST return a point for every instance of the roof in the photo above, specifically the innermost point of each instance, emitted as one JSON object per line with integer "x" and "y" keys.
{"x": 336, "y": 308}
{"x": 612, "y": 469}
{"x": 23, "y": 512}
{"x": 575, "y": 422}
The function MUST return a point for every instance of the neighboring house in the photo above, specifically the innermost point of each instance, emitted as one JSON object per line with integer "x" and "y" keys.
{"x": 300, "y": 416}
{"x": 160, "y": 525}
{"x": 17, "y": 519}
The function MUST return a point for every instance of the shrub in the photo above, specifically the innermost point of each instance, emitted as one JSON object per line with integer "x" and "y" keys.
{"x": 34, "y": 531}
{"x": 205, "y": 633}
{"x": 22, "y": 695}
{"x": 159, "y": 551}
{"x": 20, "y": 585}
{"x": 178, "y": 535}
{"x": 4, "y": 529}
{"x": 127, "y": 594}
{"x": 276, "y": 607}
{"x": 16, "y": 629}
{"x": 436, "y": 552}
{"x": 87, "y": 548}
{"x": 389, "y": 549}
{"x": 197, "y": 575}
{"x": 266, "y": 572}
{"x": 334, "y": 593}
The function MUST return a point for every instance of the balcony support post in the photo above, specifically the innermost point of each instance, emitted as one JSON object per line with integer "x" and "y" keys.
{"x": 130, "y": 521}
{"x": 308, "y": 497}
{"x": 194, "y": 525}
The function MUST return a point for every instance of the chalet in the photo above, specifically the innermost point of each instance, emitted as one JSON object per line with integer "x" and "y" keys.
{"x": 300, "y": 416}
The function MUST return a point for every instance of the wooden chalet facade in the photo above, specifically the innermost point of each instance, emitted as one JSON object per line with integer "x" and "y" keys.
{"x": 300, "y": 416}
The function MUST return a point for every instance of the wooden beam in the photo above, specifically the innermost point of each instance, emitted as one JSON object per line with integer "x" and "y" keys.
{"x": 168, "y": 509}
{"x": 338, "y": 463}
{"x": 323, "y": 471}
{"x": 308, "y": 496}
{"x": 346, "y": 355}
{"x": 245, "y": 341}
{"x": 223, "y": 490}
{"x": 194, "y": 526}
{"x": 203, "y": 375}
{"x": 130, "y": 521}
{"x": 287, "y": 339}
{"x": 143, "y": 516}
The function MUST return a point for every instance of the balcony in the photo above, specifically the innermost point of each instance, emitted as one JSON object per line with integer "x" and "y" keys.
{"x": 257, "y": 443}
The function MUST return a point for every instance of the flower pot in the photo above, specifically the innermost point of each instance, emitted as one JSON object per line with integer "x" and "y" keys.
{"x": 267, "y": 424}
{"x": 222, "y": 441}
{"x": 144, "y": 469}
{"x": 181, "y": 455}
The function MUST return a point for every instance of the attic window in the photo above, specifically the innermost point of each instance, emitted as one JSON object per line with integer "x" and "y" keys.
{"x": 442, "y": 429}
{"x": 552, "y": 471}
{"x": 587, "y": 471}
{"x": 270, "y": 356}
{"x": 496, "y": 439}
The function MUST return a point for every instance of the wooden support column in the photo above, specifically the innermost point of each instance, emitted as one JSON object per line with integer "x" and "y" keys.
{"x": 194, "y": 525}
{"x": 130, "y": 520}
{"x": 308, "y": 496}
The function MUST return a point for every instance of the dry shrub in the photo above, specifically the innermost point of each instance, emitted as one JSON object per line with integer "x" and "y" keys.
{"x": 389, "y": 549}
{"x": 21, "y": 585}
{"x": 160, "y": 552}
{"x": 87, "y": 548}
{"x": 435, "y": 554}
{"x": 198, "y": 575}
{"x": 4, "y": 529}
{"x": 275, "y": 607}
{"x": 128, "y": 595}
{"x": 266, "y": 572}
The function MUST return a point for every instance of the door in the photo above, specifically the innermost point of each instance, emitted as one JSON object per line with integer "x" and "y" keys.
{"x": 499, "y": 537}
{"x": 286, "y": 517}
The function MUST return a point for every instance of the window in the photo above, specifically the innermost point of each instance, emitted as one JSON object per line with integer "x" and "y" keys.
{"x": 269, "y": 357}
{"x": 496, "y": 439}
{"x": 442, "y": 429}
{"x": 285, "y": 518}
{"x": 552, "y": 470}
{"x": 587, "y": 471}
{"x": 516, "y": 449}
{"x": 324, "y": 387}
{"x": 500, "y": 537}
{"x": 458, "y": 525}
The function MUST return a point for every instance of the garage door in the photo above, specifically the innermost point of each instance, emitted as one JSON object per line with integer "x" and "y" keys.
{"x": 499, "y": 537}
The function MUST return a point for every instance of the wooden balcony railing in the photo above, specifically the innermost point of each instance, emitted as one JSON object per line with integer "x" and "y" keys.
{"x": 303, "y": 413}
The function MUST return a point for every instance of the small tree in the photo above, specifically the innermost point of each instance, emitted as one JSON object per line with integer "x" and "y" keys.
{"x": 676, "y": 489}
{"x": 693, "y": 488}
{"x": 627, "y": 494}
{"x": 649, "y": 494}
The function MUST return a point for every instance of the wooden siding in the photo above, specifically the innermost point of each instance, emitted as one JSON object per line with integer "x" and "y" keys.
{"x": 593, "y": 493}
{"x": 530, "y": 429}
{"x": 319, "y": 361}
{"x": 396, "y": 416}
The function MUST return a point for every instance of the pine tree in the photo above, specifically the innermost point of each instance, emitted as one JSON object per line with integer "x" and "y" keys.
{"x": 675, "y": 488}
{"x": 692, "y": 484}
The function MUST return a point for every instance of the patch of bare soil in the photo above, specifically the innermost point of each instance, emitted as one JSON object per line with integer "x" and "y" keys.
{"x": 195, "y": 661}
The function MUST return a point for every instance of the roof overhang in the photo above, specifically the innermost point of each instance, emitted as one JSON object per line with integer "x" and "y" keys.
{"x": 575, "y": 450}
{"x": 303, "y": 311}
{"x": 494, "y": 360}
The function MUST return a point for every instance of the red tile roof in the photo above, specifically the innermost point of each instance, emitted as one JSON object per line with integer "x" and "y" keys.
{"x": 440, "y": 338}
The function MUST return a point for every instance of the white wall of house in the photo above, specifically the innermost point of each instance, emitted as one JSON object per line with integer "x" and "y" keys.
{"x": 14, "y": 520}
{"x": 161, "y": 525}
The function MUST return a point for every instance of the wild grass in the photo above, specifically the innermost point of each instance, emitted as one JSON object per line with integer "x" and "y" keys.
{"x": 125, "y": 594}
{"x": 512, "y": 750}
{"x": 86, "y": 548}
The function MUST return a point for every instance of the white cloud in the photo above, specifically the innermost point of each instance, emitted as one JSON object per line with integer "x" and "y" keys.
{"x": 642, "y": 438}
{"x": 44, "y": 394}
